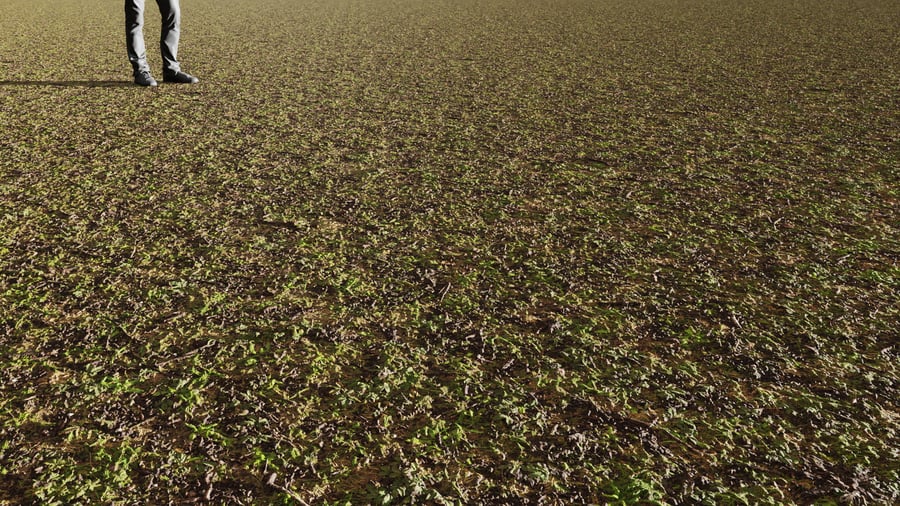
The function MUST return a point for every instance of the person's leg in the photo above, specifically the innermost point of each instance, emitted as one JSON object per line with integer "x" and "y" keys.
{"x": 168, "y": 43}
{"x": 171, "y": 31}
{"x": 134, "y": 35}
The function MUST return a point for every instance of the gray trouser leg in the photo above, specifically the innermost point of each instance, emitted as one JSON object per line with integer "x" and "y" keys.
{"x": 168, "y": 39}
{"x": 134, "y": 34}
{"x": 171, "y": 31}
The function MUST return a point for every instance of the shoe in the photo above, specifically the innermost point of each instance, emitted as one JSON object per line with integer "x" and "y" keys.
{"x": 179, "y": 77}
{"x": 143, "y": 78}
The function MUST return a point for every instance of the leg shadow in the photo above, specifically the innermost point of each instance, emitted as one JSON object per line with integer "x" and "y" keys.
{"x": 71, "y": 84}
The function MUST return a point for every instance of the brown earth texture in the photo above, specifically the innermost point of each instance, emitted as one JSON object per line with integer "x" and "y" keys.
{"x": 452, "y": 252}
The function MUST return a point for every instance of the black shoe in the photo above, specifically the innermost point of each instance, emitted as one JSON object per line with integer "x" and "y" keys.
{"x": 143, "y": 78}
{"x": 179, "y": 77}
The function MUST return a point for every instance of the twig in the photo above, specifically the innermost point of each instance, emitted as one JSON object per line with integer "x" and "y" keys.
{"x": 186, "y": 355}
{"x": 294, "y": 495}
{"x": 444, "y": 291}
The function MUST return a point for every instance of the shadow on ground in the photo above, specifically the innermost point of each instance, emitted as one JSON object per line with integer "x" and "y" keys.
{"x": 70, "y": 84}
